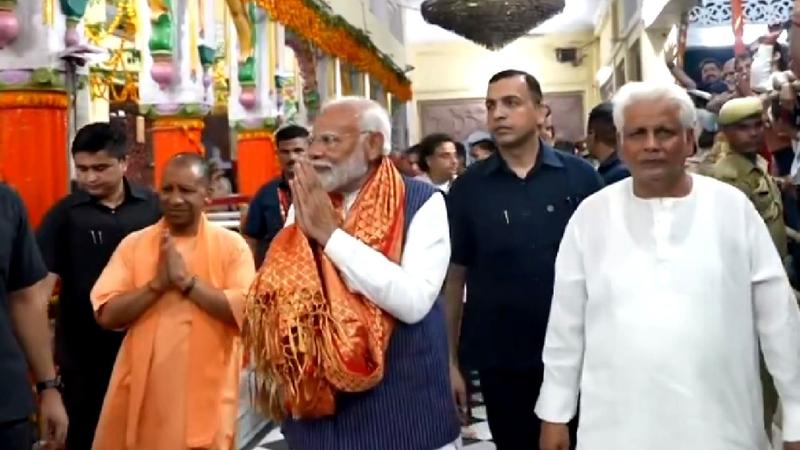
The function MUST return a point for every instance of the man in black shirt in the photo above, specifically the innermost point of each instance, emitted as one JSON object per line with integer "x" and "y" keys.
{"x": 601, "y": 141}
{"x": 77, "y": 237}
{"x": 24, "y": 333}
{"x": 268, "y": 209}
{"x": 507, "y": 215}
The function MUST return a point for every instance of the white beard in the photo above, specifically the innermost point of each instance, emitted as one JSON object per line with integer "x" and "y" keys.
{"x": 335, "y": 177}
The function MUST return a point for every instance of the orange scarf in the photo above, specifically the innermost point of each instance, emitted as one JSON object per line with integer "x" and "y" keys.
{"x": 309, "y": 334}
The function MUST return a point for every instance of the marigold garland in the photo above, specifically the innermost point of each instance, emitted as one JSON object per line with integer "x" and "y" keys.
{"x": 334, "y": 35}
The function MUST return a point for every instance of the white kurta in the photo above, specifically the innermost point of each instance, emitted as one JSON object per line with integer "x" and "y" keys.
{"x": 658, "y": 308}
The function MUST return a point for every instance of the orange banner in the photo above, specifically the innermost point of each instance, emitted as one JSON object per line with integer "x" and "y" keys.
{"x": 33, "y": 147}
{"x": 173, "y": 135}
{"x": 737, "y": 20}
{"x": 257, "y": 160}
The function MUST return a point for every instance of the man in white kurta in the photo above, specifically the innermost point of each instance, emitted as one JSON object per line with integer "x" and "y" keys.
{"x": 658, "y": 309}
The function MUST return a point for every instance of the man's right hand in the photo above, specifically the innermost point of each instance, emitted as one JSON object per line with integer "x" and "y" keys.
{"x": 161, "y": 281}
{"x": 459, "y": 388}
{"x": 554, "y": 436}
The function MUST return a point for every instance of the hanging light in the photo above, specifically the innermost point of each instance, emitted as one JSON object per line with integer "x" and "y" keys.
{"x": 490, "y": 23}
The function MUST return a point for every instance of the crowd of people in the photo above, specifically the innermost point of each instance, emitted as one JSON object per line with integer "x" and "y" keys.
{"x": 649, "y": 279}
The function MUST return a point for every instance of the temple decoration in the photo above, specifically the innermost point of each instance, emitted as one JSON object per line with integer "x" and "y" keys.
{"x": 179, "y": 91}
{"x": 219, "y": 79}
{"x": 122, "y": 24}
{"x": 331, "y": 33}
{"x": 116, "y": 77}
{"x": 9, "y": 24}
{"x": 38, "y": 116}
{"x": 34, "y": 102}
{"x": 252, "y": 109}
{"x": 243, "y": 16}
{"x": 490, "y": 24}
{"x": 160, "y": 43}
{"x": 721, "y": 12}
{"x": 288, "y": 103}
{"x": 307, "y": 63}
{"x": 74, "y": 11}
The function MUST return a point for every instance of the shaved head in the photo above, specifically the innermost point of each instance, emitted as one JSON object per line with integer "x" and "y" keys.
{"x": 185, "y": 184}
{"x": 193, "y": 161}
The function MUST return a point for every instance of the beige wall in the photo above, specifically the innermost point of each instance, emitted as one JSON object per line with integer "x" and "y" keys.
{"x": 653, "y": 66}
{"x": 461, "y": 70}
{"x": 612, "y": 45}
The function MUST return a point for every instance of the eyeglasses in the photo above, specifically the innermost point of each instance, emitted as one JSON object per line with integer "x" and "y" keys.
{"x": 332, "y": 139}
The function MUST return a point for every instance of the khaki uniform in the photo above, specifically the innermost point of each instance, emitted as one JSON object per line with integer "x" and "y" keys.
{"x": 759, "y": 186}
{"x": 701, "y": 163}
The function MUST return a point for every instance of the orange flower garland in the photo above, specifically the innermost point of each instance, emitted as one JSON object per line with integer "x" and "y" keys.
{"x": 335, "y": 39}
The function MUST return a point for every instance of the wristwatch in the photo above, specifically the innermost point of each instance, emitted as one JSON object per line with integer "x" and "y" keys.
{"x": 53, "y": 383}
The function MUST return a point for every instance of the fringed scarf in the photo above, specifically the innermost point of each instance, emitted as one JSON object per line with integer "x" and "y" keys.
{"x": 310, "y": 336}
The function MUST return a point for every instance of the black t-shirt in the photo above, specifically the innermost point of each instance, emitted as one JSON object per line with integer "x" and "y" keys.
{"x": 77, "y": 238}
{"x": 21, "y": 266}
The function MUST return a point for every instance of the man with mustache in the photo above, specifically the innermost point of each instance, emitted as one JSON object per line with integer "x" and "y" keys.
{"x": 267, "y": 211}
{"x": 350, "y": 344}
{"x": 667, "y": 284}
{"x": 178, "y": 287}
{"x": 507, "y": 214}
{"x": 742, "y": 124}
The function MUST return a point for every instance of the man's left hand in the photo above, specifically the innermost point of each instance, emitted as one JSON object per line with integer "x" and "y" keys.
{"x": 54, "y": 419}
{"x": 313, "y": 210}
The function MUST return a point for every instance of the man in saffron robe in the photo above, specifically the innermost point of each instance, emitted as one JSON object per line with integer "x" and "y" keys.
{"x": 178, "y": 287}
{"x": 361, "y": 260}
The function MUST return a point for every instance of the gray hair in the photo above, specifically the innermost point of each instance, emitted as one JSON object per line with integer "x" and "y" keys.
{"x": 647, "y": 91}
{"x": 372, "y": 117}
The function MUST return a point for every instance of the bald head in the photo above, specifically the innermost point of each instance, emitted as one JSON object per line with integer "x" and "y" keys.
{"x": 193, "y": 161}
{"x": 184, "y": 192}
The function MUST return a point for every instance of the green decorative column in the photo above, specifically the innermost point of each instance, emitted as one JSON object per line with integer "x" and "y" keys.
{"x": 9, "y": 24}
{"x": 160, "y": 44}
{"x": 207, "y": 59}
{"x": 74, "y": 11}
{"x": 247, "y": 81}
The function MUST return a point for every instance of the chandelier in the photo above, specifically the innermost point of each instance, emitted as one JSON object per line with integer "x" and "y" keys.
{"x": 490, "y": 23}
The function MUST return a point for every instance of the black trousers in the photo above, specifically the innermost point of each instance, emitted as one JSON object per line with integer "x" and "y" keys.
{"x": 16, "y": 435}
{"x": 510, "y": 397}
{"x": 84, "y": 392}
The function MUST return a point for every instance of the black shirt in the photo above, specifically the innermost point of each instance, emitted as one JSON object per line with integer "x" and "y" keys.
{"x": 265, "y": 216}
{"x": 506, "y": 231}
{"x": 21, "y": 266}
{"x": 613, "y": 170}
{"x": 77, "y": 237}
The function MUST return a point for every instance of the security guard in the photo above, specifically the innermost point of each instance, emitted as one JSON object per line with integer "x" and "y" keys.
{"x": 741, "y": 121}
